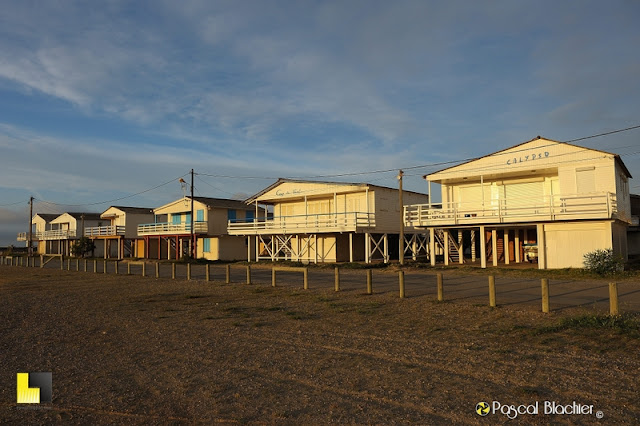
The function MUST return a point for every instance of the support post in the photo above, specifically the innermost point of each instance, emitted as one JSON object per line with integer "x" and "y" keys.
{"x": 440, "y": 287}
{"x": 516, "y": 245}
{"x": 432, "y": 246}
{"x": 369, "y": 282}
{"x": 613, "y": 299}
{"x": 401, "y": 282}
{"x": 445, "y": 234}
{"x": 494, "y": 246}
{"x": 492, "y": 291}
{"x": 351, "y": 247}
{"x": 337, "y": 278}
{"x": 545, "y": 295}
{"x": 85, "y": 265}
{"x": 507, "y": 252}
{"x": 473, "y": 245}
{"x": 542, "y": 252}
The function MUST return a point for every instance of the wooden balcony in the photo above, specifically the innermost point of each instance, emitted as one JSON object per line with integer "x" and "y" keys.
{"x": 551, "y": 208}
{"x": 303, "y": 224}
{"x": 104, "y": 231}
{"x": 166, "y": 228}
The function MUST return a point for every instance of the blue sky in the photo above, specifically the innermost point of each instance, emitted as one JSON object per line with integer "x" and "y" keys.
{"x": 99, "y": 100}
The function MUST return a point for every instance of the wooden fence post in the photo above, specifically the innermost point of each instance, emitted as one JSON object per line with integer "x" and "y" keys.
{"x": 545, "y": 295}
{"x": 104, "y": 267}
{"x": 207, "y": 272}
{"x": 61, "y": 262}
{"x": 144, "y": 268}
{"x": 173, "y": 271}
{"x": 228, "y": 273}
{"x": 248, "y": 274}
{"x": 369, "y": 282}
{"x": 337, "y": 278}
{"x": 440, "y": 287}
{"x": 95, "y": 266}
{"x": 401, "y": 282}
{"x": 613, "y": 299}
{"x": 188, "y": 271}
{"x": 85, "y": 265}
{"x": 492, "y": 291}
{"x": 68, "y": 264}
{"x": 115, "y": 265}
{"x": 77, "y": 265}
{"x": 305, "y": 278}
{"x": 273, "y": 277}
{"x": 128, "y": 268}
{"x": 157, "y": 270}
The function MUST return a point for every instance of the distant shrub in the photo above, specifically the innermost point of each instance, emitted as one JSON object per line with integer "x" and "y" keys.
{"x": 603, "y": 262}
{"x": 82, "y": 246}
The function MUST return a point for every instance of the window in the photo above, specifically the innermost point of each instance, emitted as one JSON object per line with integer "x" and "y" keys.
{"x": 206, "y": 242}
{"x": 586, "y": 180}
{"x": 249, "y": 215}
{"x": 231, "y": 215}
{"x": 175, "y": 218}
{"x": 200, "y": 216}
{"x": 187, "y": 217}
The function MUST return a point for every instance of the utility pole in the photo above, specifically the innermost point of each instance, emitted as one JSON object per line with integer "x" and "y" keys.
{"x": 400, "y": 174}
{"x": 30, "y": 249}
{"x": 194, "y": 250}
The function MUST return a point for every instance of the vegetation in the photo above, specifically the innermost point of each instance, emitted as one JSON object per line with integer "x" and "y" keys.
{"x": 603, "y": 262}
{"x": 82, "y": 246}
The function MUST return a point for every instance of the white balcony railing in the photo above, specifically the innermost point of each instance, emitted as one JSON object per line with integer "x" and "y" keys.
{"x": 57, "y": 234}
{"x": 172, "y": 228}
{"x": 322, "y": 222}
{"x": 104, "y": 231}
{"x": 23, "y": 236}
{"x": 558, "y": 207}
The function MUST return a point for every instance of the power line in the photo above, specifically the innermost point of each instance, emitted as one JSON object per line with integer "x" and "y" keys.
{"x": 14, "y": 204}
{"x": 115, "y": 199}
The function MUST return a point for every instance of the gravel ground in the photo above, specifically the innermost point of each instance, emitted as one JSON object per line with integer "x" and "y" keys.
{"x": 141, "y": 350}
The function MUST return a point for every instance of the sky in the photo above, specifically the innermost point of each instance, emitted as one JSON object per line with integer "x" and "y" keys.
{"x": 103, "y": 100}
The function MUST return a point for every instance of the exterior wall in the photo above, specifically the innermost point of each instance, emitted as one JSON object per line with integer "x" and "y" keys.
{"x": 388, "y": 210}
{"x": 567, "y": 243}
{"x": 224, "y": 248}
{"x": 218, "y": 219}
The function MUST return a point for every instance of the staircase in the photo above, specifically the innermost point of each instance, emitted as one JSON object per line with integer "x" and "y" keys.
{"x": 453, "y": 245}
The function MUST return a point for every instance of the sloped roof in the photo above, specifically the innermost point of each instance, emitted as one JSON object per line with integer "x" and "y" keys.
{"x": 285, "y": 180}
{"x": 47, "y": 217}
{"x": 133, "y": 209}
{"x": 221, "y": 203}
{"x": 616, "y": 156}
{"x": 87, "y": 216}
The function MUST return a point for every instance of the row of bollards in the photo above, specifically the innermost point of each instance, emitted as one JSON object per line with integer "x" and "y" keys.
{"x": 30, "y": 262}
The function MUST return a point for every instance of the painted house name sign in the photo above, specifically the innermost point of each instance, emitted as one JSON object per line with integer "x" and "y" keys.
{"x": 525, "y": 158}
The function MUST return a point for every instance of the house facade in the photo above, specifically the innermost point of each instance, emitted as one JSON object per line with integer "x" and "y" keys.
{"x": 314, "y": 221}
{"x": 66, "y": 229}
{"x": 118, "y": 234}
{"x": 541, "y": 200}
{"x": 40, "y": 223}
{"x": 170, "y": 236}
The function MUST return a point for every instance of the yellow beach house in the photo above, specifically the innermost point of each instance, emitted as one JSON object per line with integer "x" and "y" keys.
{"x": 40, "y": 223}
{"x": 170, "y": 236}
{"x": 66, "y": 228}
{"x": 313, "y": 221}
{"x": 119, "y": 233}
{"x": 541, "y": 200}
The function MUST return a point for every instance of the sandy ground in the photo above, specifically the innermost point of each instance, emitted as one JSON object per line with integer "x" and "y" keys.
{"x": 141, "y": 350}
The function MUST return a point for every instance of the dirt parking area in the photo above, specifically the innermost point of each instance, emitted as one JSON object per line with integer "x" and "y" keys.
{"x": 144, "y": 350}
